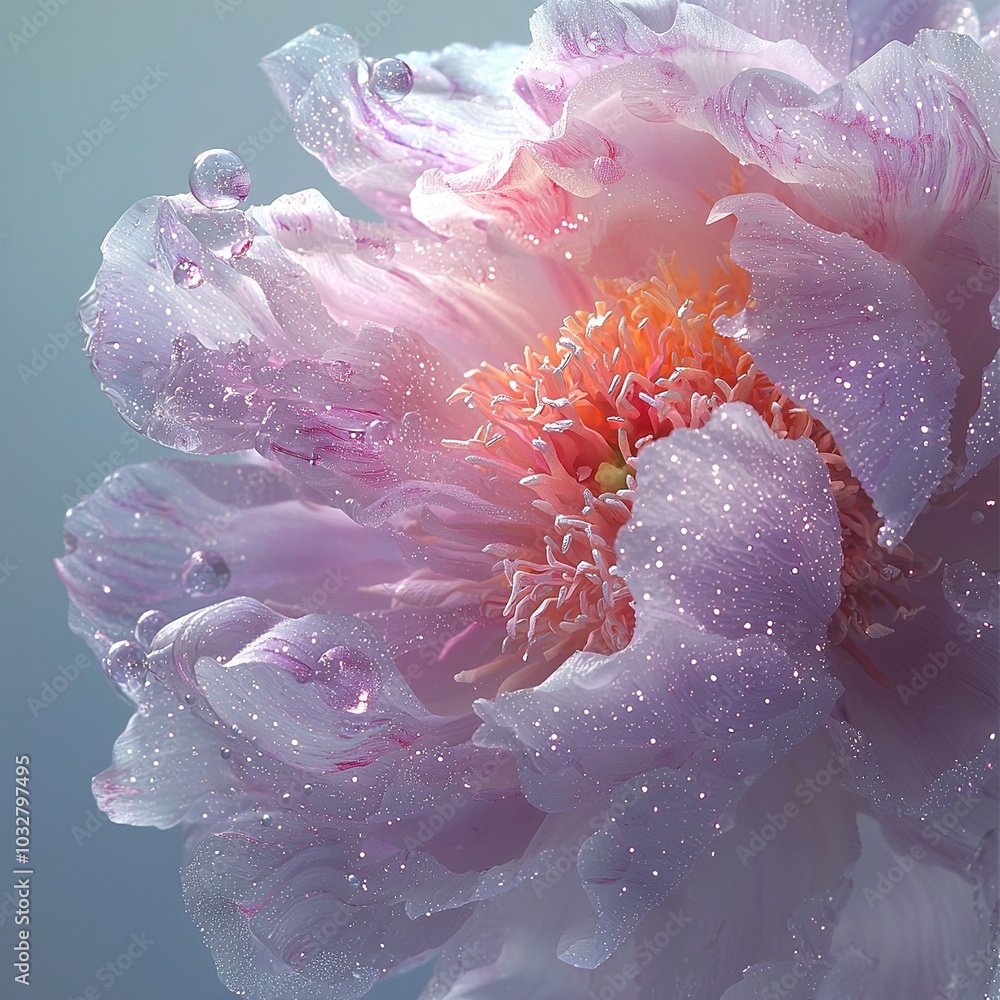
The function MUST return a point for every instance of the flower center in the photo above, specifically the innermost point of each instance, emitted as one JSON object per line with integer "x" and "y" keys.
{"x": 567, "y": 424}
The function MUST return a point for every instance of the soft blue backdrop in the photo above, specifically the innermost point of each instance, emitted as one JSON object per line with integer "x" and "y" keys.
{"x": 98, "y": 885}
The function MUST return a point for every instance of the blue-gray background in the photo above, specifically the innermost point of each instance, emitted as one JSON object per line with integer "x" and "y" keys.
{"x": 97, "y": 884}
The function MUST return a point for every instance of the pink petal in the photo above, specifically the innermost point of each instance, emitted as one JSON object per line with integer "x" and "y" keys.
{"x": 459, "y": 113}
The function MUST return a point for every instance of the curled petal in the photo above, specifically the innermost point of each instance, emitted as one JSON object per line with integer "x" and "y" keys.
{"x": 293, "y": 912}
{"x": 177, "y": 536}
{"x": 851, "y": 336}
{"x": 459, "y": 112}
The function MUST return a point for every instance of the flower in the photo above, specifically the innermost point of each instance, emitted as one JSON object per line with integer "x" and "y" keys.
{"x": 601, "y": 599}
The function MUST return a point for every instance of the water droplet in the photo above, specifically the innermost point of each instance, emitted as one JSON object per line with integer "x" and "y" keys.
{"x": 241, "y": 246}
{"x": 125, "y": 664}
{"x": 595, "y": 43}
{"x": 149, "y": 623}
{"x": 307, "y": 789}
{"x": 69, "y": 541}
{"x": 205, "y": 573}
{"x": 227, "y": 234}
{"x": 187, "y": 274}
{"x": 978, "y": 517}
{"x": 379, "y": 251}
{"x": 225, "y": 753}
{"x": 265, "y": 820}
{"x": 286, "y": 798}
{"x": 391, "y": 79}
{"x": 352, "y": 681}
{"x": 219, "y": 179}
{"x": 608, "y": 171}
{"x": 189, "y": 698}
{"x": 352, "y": 878}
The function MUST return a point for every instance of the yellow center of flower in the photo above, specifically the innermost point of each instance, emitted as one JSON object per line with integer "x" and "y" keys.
{"x": 567, "y": 424}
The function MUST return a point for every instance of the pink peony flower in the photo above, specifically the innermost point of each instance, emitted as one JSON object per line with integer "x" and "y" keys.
{"x": 601, "y": 601}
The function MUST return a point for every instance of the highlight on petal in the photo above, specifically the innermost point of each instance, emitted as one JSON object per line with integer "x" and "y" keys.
{"x": 851, "y": 336}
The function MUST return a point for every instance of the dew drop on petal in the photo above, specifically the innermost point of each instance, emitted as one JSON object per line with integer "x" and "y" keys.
{"x": 149, "y": 623}
{"x": 978, "y": 517}
{"x": 219, "y": 179}
{"x": 241, "y": 246}
{"x": 608, "y": 171}
{"x": 225, "y": 753}
{"x": 378, "y": 251}
{"x": 391, "y": 79}
{"x": 265, "y": 820}
{"x": 205, "y": 573}
{"x": 187, "y": 274}
{"x": 307, "y": 789}
{"x": 350, "y": 677}
{"x": 69, "y": 541}
{"x": 125, "y": 663}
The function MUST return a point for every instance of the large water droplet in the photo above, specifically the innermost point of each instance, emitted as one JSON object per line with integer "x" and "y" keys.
{"x": 307, "y": 789}
{"x": 205, "y": 573}
{"x": 187, "y": 274}
{"x": 219, "y": 179}
{"x": 228, "y": 234}
{"x": 265, "y": 819}
{"x": 149, "y": 623}
{"x": 125, "y": 664}
{"x": 391, "y": 79}
{"x": 225, "y": 753}
{"x": 352, "y": 681}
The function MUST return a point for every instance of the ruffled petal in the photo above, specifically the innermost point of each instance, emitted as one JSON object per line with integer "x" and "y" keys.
{"x": 295, "y": 911}
{"x": 460, "y": 111}
{"x": 894, "y": 154}
{"x": 851, "y": 336}
{"x": 465, "y": 298}
{"x": 740, "y": 686}
{"x": 177, "y": 536}
{"x": 876, "y": 23}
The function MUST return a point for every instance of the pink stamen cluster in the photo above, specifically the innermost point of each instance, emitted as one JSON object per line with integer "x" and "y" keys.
{"x": 567, "y": 424}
